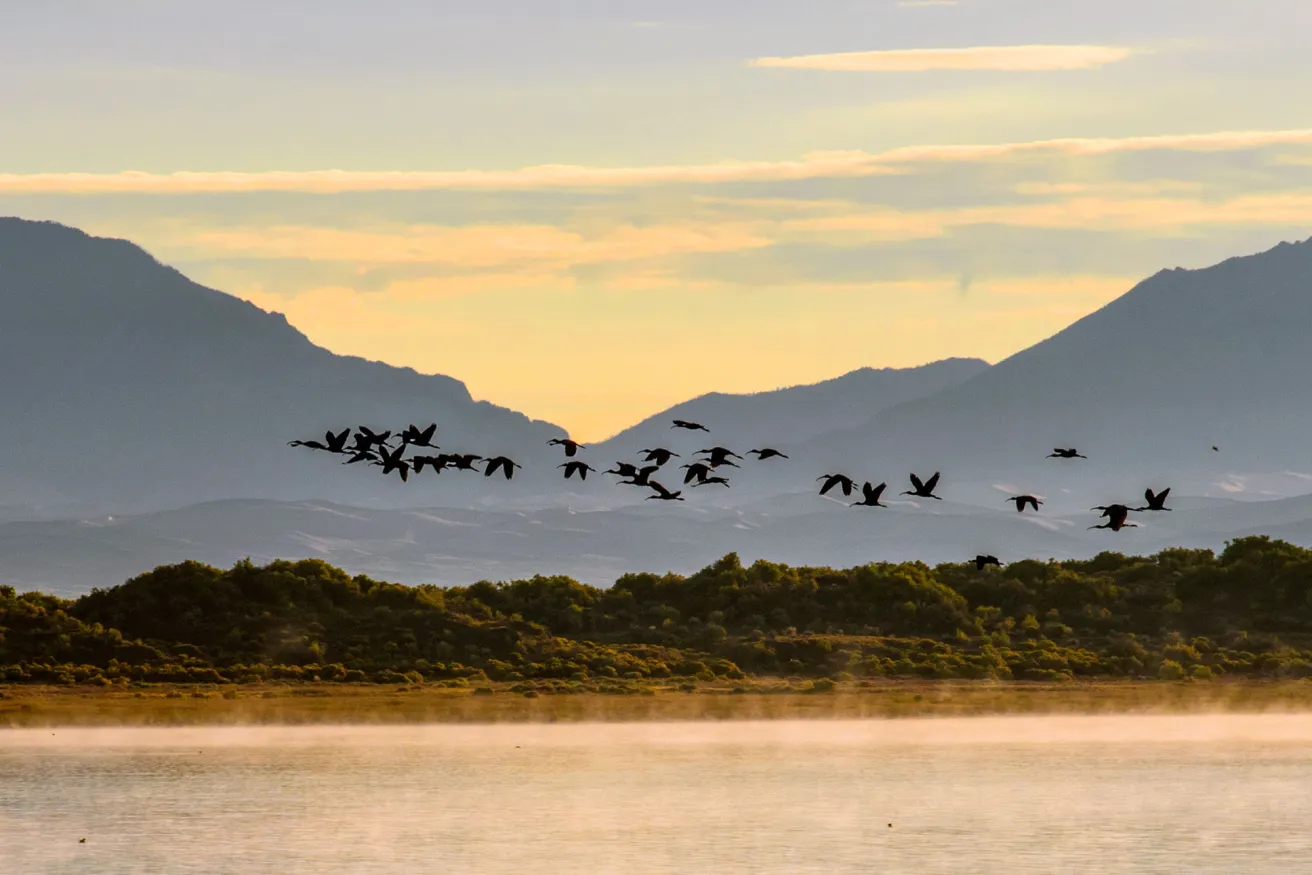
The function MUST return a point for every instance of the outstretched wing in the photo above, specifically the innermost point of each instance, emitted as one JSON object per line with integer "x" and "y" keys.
{"x": 847, "y": 486}
{"x": 915, "y": 481}
{"x": 931, "y": 482}
{"x": 1162, "y": 495}
{"x": 830, "y": 483}
{"x": 879, "y": 490}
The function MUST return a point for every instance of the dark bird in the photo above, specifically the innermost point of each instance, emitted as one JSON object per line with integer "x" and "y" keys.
{"x": 1063, "y": 453}
{"x": 624, "y": 469}
{"x": 981, "y": 561}
{"x": 719, "y": 456}
{"x": 507, "y": 466}
{"x": 370, "y": 438}
{"x": 571, "y": 447}
{"x": 437, "y": 463}
{"x": 925, "y": 489}
{"x": 1216, "y": 449}
{"x": 696, "y": 471}
{"x": 392, "y": 461}
{"x": 1021, "y": 500}
{"x": 663, "y": 494}
{"x": 333, "y": 443}
{"x": 420, "y": 437}
{"x": 660, "y": 455}
{"x": 766, "y": 453}
{"x": 871, "y": 494}
{"x": 691, "y": 426}
{"x": 641, "y": 477}
{"x": 723, "y": 481}
{"x": 840, "y": 480}
{"x": 1156, "y": 501}
{"x": 1116, "y": 515}
{"x": 362, "y": 455}
{"x": 460, "y": 461}
{"x": 579, "y": 468}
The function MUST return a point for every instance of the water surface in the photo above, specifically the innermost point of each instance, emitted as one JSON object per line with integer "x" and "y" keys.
{"x": 1196, "y": 794}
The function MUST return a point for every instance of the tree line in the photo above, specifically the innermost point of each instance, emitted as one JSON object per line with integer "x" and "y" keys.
{"x": 1181, "y": 613}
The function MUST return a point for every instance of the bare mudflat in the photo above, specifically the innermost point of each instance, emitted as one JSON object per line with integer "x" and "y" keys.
{"x": 166, "y": 705}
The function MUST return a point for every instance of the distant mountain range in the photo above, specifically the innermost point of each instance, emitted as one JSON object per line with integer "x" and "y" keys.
{"x": 132, "y": 392}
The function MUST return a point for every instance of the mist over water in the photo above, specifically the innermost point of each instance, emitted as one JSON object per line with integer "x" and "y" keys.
{"x": 1223, "y": 794}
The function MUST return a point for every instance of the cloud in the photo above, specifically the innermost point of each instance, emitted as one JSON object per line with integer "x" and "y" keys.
{"x": 1029, "y": 58}
{"x": 813, "y": 165}
{"x": 469, "y": 247}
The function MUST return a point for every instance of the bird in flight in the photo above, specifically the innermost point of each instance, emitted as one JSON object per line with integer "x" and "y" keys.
{"x": 642, "y": 476}
{"x": 333, "y": 443}
{"x": 461, "y": 461}
{"x": 659, "y": 455}
{"x": 691, "y": 426}
{"x": 767, "y": 453}
{"x": 624, "y": 469}
{"x": 571, "y": 447}
{"x": 871, "y": 495}
{"x": 925, "y": 489}
{"x": 437, "y": 463}
{"x": 1156, "y": 501}
{"x": 579, "y": 468}
{"x": 369, "y": 438}
{"x": 723, "y": 481}
{"x": 503, "y": 463}
{"x": 1022, "y": 500}
{"x": 1065, "y": 453}
{"x": 981, "y": 561}
{"x": 719, "y": 456}
{"x": 696, "y": 471}
{"x": 1216, "y": 449}
{"x": 1116, "y": 515}
{"x": 419, "y": 437}
{"x": 392, "y": 461}
{"x": 663, "y": 494}
{"x": 840, "y": 480}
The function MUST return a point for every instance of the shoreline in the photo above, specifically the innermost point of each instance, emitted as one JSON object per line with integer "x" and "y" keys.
{"x": 164, "y": 705}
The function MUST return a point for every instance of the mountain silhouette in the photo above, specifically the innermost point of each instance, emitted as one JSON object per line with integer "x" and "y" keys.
{"x": 128, "y": 386}
{"x": 784, "y": 418}
{"x": 1145, "y": 386}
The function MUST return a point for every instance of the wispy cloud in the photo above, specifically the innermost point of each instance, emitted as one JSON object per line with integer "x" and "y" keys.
{"x": 813, "y": 165}
{"x": 1031, "y": 58}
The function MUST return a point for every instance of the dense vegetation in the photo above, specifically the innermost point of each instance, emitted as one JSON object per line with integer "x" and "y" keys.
{"x": 1178, "y": 614}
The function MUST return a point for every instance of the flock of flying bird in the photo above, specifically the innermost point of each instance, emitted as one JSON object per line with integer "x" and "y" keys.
{"x": 705, "y": 468}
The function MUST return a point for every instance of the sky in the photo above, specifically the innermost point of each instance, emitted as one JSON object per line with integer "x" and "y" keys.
{"x": 588, "y": 211}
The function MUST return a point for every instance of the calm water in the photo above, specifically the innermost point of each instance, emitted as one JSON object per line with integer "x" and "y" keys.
{"x": 1128, "y": 794}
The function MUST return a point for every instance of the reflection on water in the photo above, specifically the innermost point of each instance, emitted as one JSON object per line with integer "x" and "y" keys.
{"x": 1223, "y": 794}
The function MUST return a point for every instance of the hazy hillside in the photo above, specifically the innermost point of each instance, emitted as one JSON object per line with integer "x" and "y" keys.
{"x": 129, "y": 386}
{"x": 785, "y": 417}
{"x": 1145, "y": 386}
{"x": 455, "y": 546}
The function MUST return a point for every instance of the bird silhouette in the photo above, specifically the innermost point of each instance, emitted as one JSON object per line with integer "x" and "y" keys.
{"x": 840, "y": 480}
{"x": 659, "y": 455}
{"x": 982, "y": 560}
{"x": 1116, "y": 515}
{"x": 1216, "y": 449}
{"x": 365, "y": 455}
{"x": 461, "y": 461}
{"x": 437, "y": 463}
{"x": 719, "y": 456}
{"x": 1156, "y": 501}
{"x": 663, "y": 494}
{"x": 579, "y": 468}
{"x": 641, "y": 477}
{"x": 333, "y": 443}
{"x": 507, "y": 466}
{"x": 696, "y": 471}
{"x": 371, "y": 438}
{"x": 1064, "y": 453}
{"x": 623, "y": 469}
{"x": 313, "y": 445}
{"x": 723, "y": 481}
{"x": 571, "y": 447}
{"x": 392, "y": 461}
{"x": 925, "y": 489}
{"x": 1022, "y": 500}
{"x": 766, "y": 453}
{"x": 871, "y": 494}
{"x": 691, "y": 426}
{"x": 419, "y": 437}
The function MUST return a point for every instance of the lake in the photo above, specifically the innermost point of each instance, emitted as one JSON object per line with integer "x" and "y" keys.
{"x": 1219, "y": 793}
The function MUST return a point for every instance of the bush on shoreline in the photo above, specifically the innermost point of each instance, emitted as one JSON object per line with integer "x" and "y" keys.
{"x": 1179, "y": 614}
